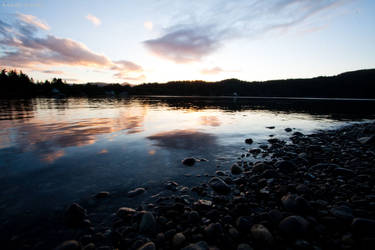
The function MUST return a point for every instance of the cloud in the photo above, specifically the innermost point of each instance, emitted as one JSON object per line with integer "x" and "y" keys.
{"x": 54, "y": 72}
{"x": 148, "y": 25}
{"x": 184, "y": 45}
{"x": 96, "y": 21}
{"x": 205, "y": 30}
{"x": 212, "y": 71}
{"x": 23, "y": 48}
{"x": 33, "y": 21}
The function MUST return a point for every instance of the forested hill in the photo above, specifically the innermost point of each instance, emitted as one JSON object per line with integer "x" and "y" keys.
{"x": 355, "y": 84}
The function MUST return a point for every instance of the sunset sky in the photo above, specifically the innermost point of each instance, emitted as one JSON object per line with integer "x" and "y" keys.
{"x": 162, "y": 40}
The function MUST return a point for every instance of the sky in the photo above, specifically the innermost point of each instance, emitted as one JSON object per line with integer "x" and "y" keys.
{"x": 141, "y": 41}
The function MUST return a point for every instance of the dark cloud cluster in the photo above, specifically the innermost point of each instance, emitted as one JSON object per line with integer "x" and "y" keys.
{"x": 230, "y": 20}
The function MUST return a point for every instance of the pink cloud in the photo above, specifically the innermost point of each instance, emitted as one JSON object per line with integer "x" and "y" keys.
{"x": 24, "y": 49}
{"x": 96, "y": 21}
{"x": 212, "y": 71}
{"x": 33, "y": 21}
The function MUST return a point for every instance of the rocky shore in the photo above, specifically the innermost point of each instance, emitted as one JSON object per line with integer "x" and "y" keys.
{"x": 312, "y": 192}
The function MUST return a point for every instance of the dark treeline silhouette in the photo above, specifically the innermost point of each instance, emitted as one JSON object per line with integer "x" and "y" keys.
{"x": 355, "y": 84}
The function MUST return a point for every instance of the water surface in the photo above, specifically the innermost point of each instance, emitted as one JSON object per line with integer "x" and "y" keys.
{"x": 55, "y": 151}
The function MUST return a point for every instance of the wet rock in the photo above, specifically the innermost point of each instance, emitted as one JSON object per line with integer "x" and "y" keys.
{"x": 261, "y": 234}
{"x": 136, "y": 192}
{"x": 294, "y": 226}
{"x": 363, "y": 227}
{"x": 75, "y": 215}
{"x": 235, "y": 169}
{"x": 249, "y": 141}
{"x": 275, "y": 216}
{"x": 288, "y": 130}
{"x": 148, "y": 246}
{"x": 286, "y": 166}
{"x": 213, "y": 230}
{"x": 244, "y": 246}
{"x": 295, "y": 203}
{"x": 201, "y": 245}
{"x": 69, "y": 245}
{"x": 274, "y": 140}
{"x": 219, "y": 186}
{"x": 194, "y": 217}
{"x": 244, "y": 224}
{"x": 255, "y": 151}
{"x": 343, "y": 172}
{"x": 178, "y": 240}
{"x": 298, "y": 134}
{"x": 90, "y": 246}
{"x": 101, "y": 195}
{"x": 147, "y": 224}
{"x": 220, "y": 173}
{"x": 342, "y": 212}
{"x": 260, "y": 167}
{"x": 271, "y": 127}
{"x": 189, "y": 161}
{"x": 302, "y": 189}
{"x": 124, "y": 212}
{"x": 367, "y": 140}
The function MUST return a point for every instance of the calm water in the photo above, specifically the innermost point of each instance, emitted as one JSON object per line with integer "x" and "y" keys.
{"x": 55, "y": 151}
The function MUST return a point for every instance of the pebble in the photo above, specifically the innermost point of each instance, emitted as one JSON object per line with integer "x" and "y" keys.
{"x": 147, "y": 224}
{"x": 178, "y": 240}
{"x": 235, "y": 169}
{"x": 261, "y": 234}
{"x": 219, "y": 186}
{"x": 294, "y": 226}
{"x": 148, "y": 246}
{"x": 69, "y": 245}
{"x": 136, "y": 192}
{"x": 189, "y": 161}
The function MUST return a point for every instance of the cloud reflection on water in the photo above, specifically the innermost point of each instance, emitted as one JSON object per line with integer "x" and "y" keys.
{"x": 46, "y": 138}
{"x": 183, "y": 139}
{"x": 212, "y": 121}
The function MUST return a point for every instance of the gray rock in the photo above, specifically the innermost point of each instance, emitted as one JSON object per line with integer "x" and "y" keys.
{"x": 90, "y": 246}
{"x": 136, "y": 192}
{"x": 235, "y": 169}
{"x": 294, "y": 226}
{"x": 260, "y": 167}
{"x": 201, "y": 245}
{"x": 261, "y": 234}
{"x": 213, "y": 230}
{"x": 295, "y": 203}
{"x": 124, "y": 212}
{"x": 147, "y": 224}
{"x": 342, "y": 212}
{"x": 102, "y": 194}
{"x": 178, "y": 240}
{"x": 249, "y": 141}
{"x": 286, "y": 166}
{"x": 362, "y": 226}
{"x": 75, "y": 215}
{"x": 189, "y": 161}
{"x": 148, "y": 246}
{"x": 219, "y": 186}
{"x": 69, "y": 245}
{"x": 244, "y": 246}
{"x": 343, "y": 172}
{"x": 367, "y": 140}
